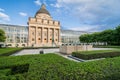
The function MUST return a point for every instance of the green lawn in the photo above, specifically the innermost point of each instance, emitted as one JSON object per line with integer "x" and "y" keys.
{"x": 95, "y": 54}
{"x": 55, "y": 67}
{"x": 98, "y": 51}
{"x": 107, "y": 46}
{"x": 8, "y": 51}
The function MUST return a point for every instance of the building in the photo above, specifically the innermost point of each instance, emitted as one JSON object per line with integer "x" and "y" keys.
{"x": 43, "y": 30}
{"x": 71, "y": 36}
{"x": 16, "y": 36}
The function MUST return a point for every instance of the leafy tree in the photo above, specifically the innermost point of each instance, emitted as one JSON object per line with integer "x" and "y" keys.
{"x": 107, "y": 36}
{"x": 112, "y": 37}
{"x": 2, "y": 36}
{"x": 117, "y": 35}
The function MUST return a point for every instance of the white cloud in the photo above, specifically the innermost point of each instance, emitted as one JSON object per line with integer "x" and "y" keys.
{"x": 4, "y": 17}
{"x": 88, "y": 28}
{"x": 91, "y": 8}
{"x": 56, "y": 5}
{"x": 2, "y": 9}
{"x": 23, "y": 14}
{"x": 91, "y": 12}
{"x": 37, "y": 2}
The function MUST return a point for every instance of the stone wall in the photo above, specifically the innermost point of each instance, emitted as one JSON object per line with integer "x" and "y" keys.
{"x": 69, "y": 49}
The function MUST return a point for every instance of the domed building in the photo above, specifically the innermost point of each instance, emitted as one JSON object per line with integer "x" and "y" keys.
{"x": 43, "y": 30}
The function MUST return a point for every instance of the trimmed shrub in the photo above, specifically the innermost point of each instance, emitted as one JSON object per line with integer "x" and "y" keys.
{"x": 11, "y": 52}
{"x": 94, "y": 56}
{"x": 54, "y": 67}
{"x": 19, "y": 69}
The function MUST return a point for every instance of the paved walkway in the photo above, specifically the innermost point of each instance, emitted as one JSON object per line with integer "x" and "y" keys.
{"x": 36, "y": 51}
{"x": 46, "y": 51}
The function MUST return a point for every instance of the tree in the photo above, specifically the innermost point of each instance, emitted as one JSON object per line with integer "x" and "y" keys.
{"x": 107, "y": 36}
{"x": 112, "y": 37}
{"x": 2, "y": 36}
{"x": 117, "y": 35}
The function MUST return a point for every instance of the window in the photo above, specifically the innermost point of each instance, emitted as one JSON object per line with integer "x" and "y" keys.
{"x": 45, "y": 34}
{"x": 39, "y": 39}
{"x": 23, "y": 45}
{"x": 39, "y": 34}
{"x": 32, "y": 39}
{"x": 56, "y": 34}
{"x": 32, "y": 33}
{"x": 48, "y": 22}
{"x": 9, "y": 45}
{"x": 50, "y": 33}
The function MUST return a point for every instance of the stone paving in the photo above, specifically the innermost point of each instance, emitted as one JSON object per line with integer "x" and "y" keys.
{"x": 46, "y": 51}
{"x": 36, "y": 51}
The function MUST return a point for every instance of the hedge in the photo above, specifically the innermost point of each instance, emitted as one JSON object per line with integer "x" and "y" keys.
{"x": 95, "y": 56}
{"x": 19, "y": 69}
{"x": 55, "y": 67}
{"x": 10, "y": 52}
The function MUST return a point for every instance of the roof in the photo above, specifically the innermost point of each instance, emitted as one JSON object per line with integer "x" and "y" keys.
{"x": 43, "y": 10}
{"x": 11, "y": 25}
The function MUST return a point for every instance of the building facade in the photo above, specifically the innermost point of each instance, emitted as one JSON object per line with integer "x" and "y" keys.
{"x": 71, "y": 37}
{"x": 43, "y": 30}
{"x": 16, "y": 36}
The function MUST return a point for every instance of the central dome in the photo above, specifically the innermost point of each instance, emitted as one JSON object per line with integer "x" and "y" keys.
{"x": 43, "y": 10}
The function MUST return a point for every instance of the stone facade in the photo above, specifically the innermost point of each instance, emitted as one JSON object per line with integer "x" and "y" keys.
{"x": 43, "y": 30}
{"x": 69, "y": 49}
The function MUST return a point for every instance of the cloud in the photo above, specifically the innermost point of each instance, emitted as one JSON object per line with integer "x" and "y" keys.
{"x": 37, "y": 2}
{"x": 4, "y": 17}
{"x": 88, "y": 28}
{"x": 2, "y": 10}
{"x": 56, "y": 5}
{"x": 92, "y": 12}
{"x": 23, "y": 14}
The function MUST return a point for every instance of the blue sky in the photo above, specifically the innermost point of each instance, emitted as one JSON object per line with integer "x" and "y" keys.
{"x": 83, "y": 15}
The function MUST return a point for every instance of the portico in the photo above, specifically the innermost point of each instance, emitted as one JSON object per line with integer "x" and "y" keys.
{"x": 43, "y": 30}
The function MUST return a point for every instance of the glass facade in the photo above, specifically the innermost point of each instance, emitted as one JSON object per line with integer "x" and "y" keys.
{"x": 70, "y": 36}
{"x": 15, "y": 35}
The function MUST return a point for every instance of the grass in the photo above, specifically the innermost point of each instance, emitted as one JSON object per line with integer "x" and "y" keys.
{"x": 95, "y": 54}
{"x": 55, "y": 67}
{"x": 8, "y": 51}
{"x": 109, "y": 46}
{"x": 98, "y": 51}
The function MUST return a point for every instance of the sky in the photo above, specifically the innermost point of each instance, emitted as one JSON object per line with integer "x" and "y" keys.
{"x": 80, "y": 15}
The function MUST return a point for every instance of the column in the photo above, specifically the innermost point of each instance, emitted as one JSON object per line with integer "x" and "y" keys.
{"x": 29, "y": 38}
{"x": 48, "y": 35}
{"x": 59, "y": 38}
{"x": 42, "y": 35}
{"x": 54, "y": 35}
{"x": 36, "y": 35}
